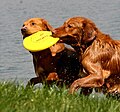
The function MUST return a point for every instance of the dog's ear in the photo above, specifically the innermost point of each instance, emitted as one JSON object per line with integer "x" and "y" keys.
{"x": 47, "y": 25}
{"x": 58, "y": 47}
{"x": 89, "y": 31}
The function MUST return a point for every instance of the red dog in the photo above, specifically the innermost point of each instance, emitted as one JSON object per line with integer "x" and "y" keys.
{"x": 55, "y": 63}
{"x": 99, "y": 53}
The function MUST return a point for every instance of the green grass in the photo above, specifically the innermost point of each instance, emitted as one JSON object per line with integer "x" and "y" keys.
{"x": 15, "y": 98}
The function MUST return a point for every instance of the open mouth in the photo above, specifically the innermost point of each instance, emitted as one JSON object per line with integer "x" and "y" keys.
{"x": 68, "y": 40}
{"x": 26, "y": 35}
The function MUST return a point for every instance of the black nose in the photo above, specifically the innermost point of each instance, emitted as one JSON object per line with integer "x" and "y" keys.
{"x": 23, "y": 29}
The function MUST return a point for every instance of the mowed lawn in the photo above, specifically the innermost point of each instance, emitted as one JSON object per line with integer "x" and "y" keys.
{"x": 16, "y": 98}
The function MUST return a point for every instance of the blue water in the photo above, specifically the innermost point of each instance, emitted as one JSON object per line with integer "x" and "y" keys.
{"x": 15, "y": 61}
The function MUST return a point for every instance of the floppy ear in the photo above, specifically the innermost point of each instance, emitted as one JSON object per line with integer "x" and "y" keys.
{"x": 57, "y": 48}
{"x": 47, "y": 25}
{"x": 89, "y": 32}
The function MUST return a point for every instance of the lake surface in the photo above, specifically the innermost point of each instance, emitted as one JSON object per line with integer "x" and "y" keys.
{"x": 15, "y": 61}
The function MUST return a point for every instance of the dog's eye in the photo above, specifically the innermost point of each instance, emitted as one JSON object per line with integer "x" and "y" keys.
{"x": 33, "y": 23}
{"x": 23, "y": 25}
{"x": 70, "y": 25}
